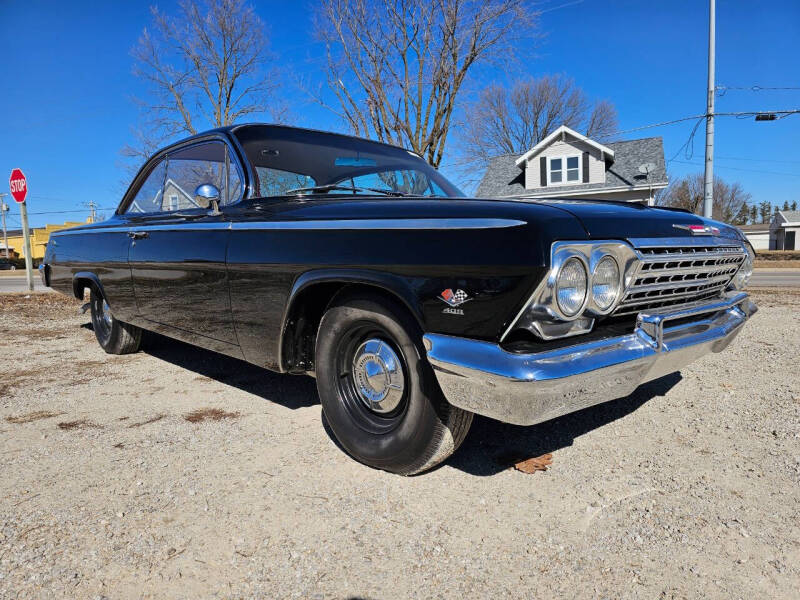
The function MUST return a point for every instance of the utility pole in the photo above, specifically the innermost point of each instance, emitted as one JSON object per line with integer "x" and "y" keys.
{"x": 92, "y": 210}
{"x": 3, "y": 210}
{"x": 708, "y": 202}
{"x": 26, "y": 233}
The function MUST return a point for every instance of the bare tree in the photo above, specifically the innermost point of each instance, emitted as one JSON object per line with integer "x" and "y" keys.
{"x": 687, "y": 193}
{"x": 396, "y": 67}
{"x": 513, "y": 120}
{"x": 204, "y": 67}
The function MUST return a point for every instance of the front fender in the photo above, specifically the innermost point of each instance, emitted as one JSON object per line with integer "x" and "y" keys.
{"x": 312, "y": 292}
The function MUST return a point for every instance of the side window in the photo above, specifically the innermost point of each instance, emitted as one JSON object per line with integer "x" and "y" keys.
{"x": 197, "y": 165}
{"x": 149, "y": 198}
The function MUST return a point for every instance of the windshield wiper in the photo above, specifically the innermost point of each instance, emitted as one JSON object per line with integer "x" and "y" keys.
{"x": 344, "y": 188}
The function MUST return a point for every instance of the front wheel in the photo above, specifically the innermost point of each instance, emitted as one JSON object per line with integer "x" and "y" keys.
{"x": 114, "y": 336}
{"x": 378, "y": 392}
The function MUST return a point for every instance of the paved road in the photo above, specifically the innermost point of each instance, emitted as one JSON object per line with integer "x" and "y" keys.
{"x": 19, "y": 283}
{"x": 776, "y": 278}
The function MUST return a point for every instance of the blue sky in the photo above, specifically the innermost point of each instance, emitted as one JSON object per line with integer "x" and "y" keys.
{"x": 65, "y": 109}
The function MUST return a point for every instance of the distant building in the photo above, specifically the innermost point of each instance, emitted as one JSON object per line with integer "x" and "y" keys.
{"x": 757, "y": 235}
{"x": 567, "y": 164}
{"x": 783, "y": 231}
{"x": 39, "y": 238}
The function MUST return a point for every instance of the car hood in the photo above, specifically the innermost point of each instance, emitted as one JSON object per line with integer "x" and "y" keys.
{"x": 610, "y": 220}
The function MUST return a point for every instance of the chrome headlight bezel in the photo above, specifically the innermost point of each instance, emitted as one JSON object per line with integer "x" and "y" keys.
{"x": 616, "y": 286}
{"x": 542, "y": 315}
{"x": 571, "y": 316}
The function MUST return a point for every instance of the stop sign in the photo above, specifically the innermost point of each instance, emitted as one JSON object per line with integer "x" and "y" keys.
{"x": 19, "y": 185}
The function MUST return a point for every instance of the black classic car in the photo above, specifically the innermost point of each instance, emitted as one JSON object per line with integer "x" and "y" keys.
{"x": 414, "y": 307}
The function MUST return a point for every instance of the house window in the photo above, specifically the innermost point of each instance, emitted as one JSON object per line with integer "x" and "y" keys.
{"x": 173, "y": 202}
{"x": 558, "y": 166}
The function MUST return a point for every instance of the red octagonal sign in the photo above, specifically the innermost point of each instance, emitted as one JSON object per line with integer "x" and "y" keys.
{"x": 19, "y": 185}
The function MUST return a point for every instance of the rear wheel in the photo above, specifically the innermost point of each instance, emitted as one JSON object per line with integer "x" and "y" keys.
{"x": 378, "y": 393}
{"x": 114, "y": 336}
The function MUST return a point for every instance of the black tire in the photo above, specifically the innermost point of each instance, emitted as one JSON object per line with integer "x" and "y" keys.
{"x": 423, "y": 429}
{"x": 114, "y": 336}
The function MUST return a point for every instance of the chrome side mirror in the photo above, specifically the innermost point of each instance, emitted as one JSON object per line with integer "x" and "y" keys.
{"x": 207, "y": 196}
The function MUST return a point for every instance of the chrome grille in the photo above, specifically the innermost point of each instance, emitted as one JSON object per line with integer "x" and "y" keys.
{"x": 672, "y": 275}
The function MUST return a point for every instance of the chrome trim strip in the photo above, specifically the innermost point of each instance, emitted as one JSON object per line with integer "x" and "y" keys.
{"x": 684, "y": 241}
{"x": 341, "y": 224}
{"x": 525, "y": 389}
{"x": 446, "y": 223}
{"x": 134, "y": 227}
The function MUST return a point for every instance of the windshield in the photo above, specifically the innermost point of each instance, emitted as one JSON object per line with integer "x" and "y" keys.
{"x": 288, "y": 161}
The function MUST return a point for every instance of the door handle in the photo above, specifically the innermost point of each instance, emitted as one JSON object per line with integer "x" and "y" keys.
{"x": 138, "y": 235}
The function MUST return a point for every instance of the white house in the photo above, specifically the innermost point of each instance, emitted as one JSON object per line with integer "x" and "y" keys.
{"x": 568, "y": 164}
{"x": 783, "y": 231}
{"x": 757, "y": 235}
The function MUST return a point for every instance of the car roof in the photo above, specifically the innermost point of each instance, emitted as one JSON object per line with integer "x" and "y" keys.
{"x": 232, "y": 129}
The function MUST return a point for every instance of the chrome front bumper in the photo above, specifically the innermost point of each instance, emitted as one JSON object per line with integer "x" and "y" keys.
{"x": 525, "y": 389}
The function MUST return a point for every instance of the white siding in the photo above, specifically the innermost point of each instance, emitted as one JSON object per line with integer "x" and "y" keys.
{"x": 572, "y": 147}
{"x": 759, "y": 240}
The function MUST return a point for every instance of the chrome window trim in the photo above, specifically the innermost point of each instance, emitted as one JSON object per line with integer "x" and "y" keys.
{"x": 245, "y": 182}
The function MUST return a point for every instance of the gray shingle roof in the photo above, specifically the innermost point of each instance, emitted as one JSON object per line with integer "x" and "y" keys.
{"x": 791, "y": 216}
{"x": 504, "y": 178}
{"x": 755, "y": 228}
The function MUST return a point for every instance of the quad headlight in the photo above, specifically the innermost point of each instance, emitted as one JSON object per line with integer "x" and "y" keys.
{"x": 742, "y": 277}
{"x": 586, "y": 280}
{"x": 571, "y": 287}
{"x": 606, "y": 283}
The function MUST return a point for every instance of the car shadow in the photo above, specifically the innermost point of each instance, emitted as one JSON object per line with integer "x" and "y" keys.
{"x": 290, "y": 391}
{"x": 492, "y": 446}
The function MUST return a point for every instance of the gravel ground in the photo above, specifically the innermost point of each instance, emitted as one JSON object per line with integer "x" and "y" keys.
{"x": 179, "y": 473}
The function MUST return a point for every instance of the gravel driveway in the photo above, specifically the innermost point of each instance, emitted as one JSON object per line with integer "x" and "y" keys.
{"x": 179, "y": 473}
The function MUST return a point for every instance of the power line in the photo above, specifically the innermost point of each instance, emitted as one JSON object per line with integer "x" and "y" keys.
{"x": 653, "y": 125}
{"x": 723, "y": 89}
{"x": 749, "y": 113}
{"x": 64, "y": 212}
{"x": 688, "y": 145}
{"x": 683, "y": 162}
{"x": 769, "y": 160}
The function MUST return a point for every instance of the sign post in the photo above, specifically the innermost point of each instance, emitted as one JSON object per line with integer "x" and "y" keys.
{"x": 19, "y": 189}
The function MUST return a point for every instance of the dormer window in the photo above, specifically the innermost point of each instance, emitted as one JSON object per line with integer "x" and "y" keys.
{"x": 559, "y": 165}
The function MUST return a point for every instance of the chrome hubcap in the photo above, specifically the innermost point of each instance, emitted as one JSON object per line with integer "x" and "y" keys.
{"x": 106, "y": 314}
{"x": 378, "y": 375}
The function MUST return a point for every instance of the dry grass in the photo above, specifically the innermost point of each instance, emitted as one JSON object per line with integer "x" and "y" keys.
{"x": 153, "y": 419}
{"x": 79, "y": 424}
{"x": 776, "y": 264}
{"x": 778, "y": 255}
{"x": 34, "y": 416}
{"x": 209, "y": 414}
